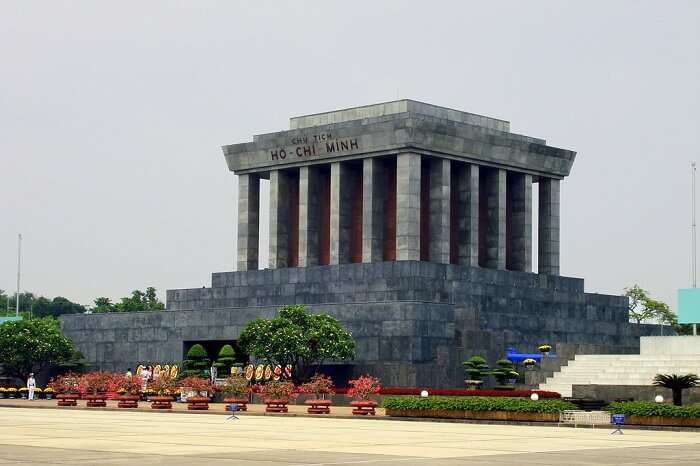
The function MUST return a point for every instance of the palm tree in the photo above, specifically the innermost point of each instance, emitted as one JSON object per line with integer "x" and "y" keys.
{"x": 677, "y": 383}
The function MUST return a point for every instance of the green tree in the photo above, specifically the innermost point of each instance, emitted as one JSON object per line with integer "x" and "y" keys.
{"x": 197, "y": 361}
{"x": 677, "y": 383}
{"x": 298, "y": 338}
{"x": 638, "y": 300}
{"x": 139, "y": 301}
{"x": 103, "y": 304}
{"x": 226, "y": 360}
{"x": 32, "y": 345}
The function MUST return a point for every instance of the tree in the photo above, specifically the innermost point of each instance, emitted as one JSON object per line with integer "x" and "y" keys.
{"x": 226, "y": 360}
{"x": 638, "y": 299}
{"x": 297, "y": 338}
{"x": 32, "y": 345}
{"x": 677, "y": 383}
{"x": 197, "y": 361}
{"x": 139, "y": 301}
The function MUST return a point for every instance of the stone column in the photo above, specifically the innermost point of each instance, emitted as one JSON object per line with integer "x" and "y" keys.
{"x": 341, "y": 229}
{"x": 248, "y": 221}
{"x": 309, "y": 209}
{"x": 548, "y": 236}
{"x": 279, "y": 219}
{"x": 496, "y": 215}
{"x": 408, "y": 168}
{"x": 468, "y": 216}
{"x": 519, "y": 241}
{"x": 372, "y": 210}
{"x": 439, "y": 237}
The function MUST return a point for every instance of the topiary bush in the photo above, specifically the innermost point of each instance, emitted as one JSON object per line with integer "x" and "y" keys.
{"x": 197, "y": 361}
{"x": 504, "y": 373}
{"x": 475, "y": 368}
{"x": 226, "y": 360}
{"x": 478, "y": 403}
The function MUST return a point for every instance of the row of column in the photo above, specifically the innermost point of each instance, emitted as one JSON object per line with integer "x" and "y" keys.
{"x": 407, "y": 208}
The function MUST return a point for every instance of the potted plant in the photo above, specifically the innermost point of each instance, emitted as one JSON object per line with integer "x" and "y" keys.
{"x": 475, "y": 368}
{"x": 66, "y": 388}
{"x": 360, "y": 390}
{"x": 48, "y": 393}
{"x": 96, "y": 385}
{"x": 226, "y": 360}
{"x": 196, "y": 361}
{"x": 505, "y": 375}
{"x": 276, "y": 395}
{"x": 23, "y": 392}
{"x": 198, "y": 390}
{"x": 162, "y": 389}
{"x": 3, "y": 392}
{"x": 545, "y": 349}
{"x": 529, "y": 363}
{"x": 319, "y": 386}
{"x": 37, "y": 393}
{"x": 238, "y": 390}
{"x": 129, "y": 391}
{"x": 12, "y": 392}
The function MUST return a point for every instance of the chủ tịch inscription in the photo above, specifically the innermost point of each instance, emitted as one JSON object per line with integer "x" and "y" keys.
{"x": 315, "y": 145}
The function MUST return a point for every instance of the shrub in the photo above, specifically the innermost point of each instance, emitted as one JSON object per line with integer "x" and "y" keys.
{"x": 545, "y": 348}
{"x": 66, "y": 383}
{"x": 196, "y": 384}
{"x": 364, "y": 386}
{"x": 237, "y": 386}
{"x": 478, "y": 403}
{"x": 318, "y": 385}
{"x": 504, "y": 372}
{"x": 102, "y": 381}
{"x": 649, "y": 408}
{"x": 226, "y": 360}
{"x": 130, "y": 385}
{"x": 277, "y": 390}
{"x": 676, "y": 383}
{"x": 163, "y": 385}
{"x": 197, "y": 360}
{"x": 475, "y": 368}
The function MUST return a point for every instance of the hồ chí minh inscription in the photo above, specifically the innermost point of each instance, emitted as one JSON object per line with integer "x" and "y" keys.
{"x": 316, "y": 145}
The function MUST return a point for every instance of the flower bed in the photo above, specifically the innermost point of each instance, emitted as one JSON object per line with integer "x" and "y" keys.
{"x": 659, "y": 414}
{"x": 477, "y": 407}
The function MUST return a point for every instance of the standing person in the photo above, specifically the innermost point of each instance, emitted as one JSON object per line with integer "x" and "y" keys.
{"x": 144, "y": 378}
{"x": 213, "y": 372}
{"x": 31, "y": 385}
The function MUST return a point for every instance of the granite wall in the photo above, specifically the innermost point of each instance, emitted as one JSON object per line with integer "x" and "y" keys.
{"x": 413, "y": 322}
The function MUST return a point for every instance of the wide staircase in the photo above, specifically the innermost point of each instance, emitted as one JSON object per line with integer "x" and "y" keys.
{"x": 619, "y": 369}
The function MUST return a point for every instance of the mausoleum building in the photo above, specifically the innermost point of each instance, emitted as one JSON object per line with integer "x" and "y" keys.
{"x": 410, "y": 223}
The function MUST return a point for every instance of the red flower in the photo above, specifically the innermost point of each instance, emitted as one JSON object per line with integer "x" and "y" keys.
{"x": 363, "y": 386}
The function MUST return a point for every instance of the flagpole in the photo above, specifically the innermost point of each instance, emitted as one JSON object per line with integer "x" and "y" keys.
{"x": 19, "y": 262}
{"x": 694, "y": 247}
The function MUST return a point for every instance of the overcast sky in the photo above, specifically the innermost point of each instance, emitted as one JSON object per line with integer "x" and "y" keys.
{"x": 112, "y": 115}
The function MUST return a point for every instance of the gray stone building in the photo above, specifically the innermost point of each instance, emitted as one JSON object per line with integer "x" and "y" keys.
{"x": 412, "y": 224}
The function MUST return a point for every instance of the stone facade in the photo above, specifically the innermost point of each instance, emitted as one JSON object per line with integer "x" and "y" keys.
{"x": 410, "y": 223}
{"x": 413, "y": 322}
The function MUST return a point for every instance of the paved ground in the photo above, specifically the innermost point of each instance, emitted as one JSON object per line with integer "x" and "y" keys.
{"x": 82, "y": 437}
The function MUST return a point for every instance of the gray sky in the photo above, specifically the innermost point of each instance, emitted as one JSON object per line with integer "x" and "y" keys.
{"x": 112, "y": 115}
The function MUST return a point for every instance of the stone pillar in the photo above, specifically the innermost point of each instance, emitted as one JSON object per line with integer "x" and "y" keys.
{"x": 309, "y": 221}
{"x": 408, "y": 168}
{"x": 341, "y": 228}
{"x": 519, "y": 241}
{"x": 468, "y": 236}
{"x": 279, "y": 219}
{"x": 372, "y": 210}
{"x": 548, "y": 236}
{"x": 439, "y": 214}
{"x": 248, "y": 221}
{"x": 496, "y": 215}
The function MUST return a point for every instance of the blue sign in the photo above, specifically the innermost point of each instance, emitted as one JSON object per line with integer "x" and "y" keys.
{"x": 618, "y": 419}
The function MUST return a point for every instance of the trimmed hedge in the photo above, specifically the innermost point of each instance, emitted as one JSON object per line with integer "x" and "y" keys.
{"x": 460, "y": 392}
{"x": 478, "y": 403}
{"x": 649, "y": 408}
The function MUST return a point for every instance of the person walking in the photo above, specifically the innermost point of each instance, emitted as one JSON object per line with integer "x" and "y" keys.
{"x": 213, "y": 372}
{"x": 31, "y": 385}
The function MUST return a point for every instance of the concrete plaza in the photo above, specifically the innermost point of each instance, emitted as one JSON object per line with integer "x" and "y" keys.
{"x": 82, "y": 437}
